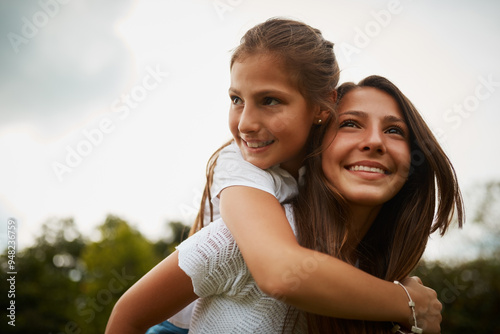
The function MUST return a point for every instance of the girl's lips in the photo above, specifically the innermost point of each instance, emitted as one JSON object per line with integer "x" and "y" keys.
{"x": 368, "y": 166}
{"x": 257, "y": 143}
{"x": 367, "y": 169}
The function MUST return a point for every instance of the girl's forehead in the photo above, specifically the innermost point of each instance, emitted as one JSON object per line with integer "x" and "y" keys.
{"x": 265, "y": 55}
{"x": 369, "y": 100}
{"x": 264, "y": 68}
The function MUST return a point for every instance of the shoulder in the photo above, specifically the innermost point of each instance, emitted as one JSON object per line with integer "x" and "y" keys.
{"x": 232, "y": 170}
{"x": 231, "y": 161}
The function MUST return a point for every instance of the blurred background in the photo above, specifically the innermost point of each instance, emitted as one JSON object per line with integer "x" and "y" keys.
{"x": 110, "y": 110}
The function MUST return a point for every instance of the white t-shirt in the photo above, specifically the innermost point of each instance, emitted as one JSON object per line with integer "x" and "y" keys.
{"x": 230, "y": 300}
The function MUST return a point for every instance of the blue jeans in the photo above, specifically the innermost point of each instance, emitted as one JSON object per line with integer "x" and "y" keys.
{"x": 166, "y": 328}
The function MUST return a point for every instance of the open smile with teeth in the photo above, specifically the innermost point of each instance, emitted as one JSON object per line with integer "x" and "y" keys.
{"x": 367, "y": 169}
{"x": 259, "y": 143}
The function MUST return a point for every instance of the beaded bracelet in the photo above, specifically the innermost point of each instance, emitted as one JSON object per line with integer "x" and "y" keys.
{"x": 411, "y": 303}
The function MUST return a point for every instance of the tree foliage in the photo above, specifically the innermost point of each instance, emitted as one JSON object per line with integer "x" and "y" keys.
{"x": 111, "y": 266}
{"x": 66, "y": 284}
{"x": 469, "y": 292}
{"x": 44, "y": 289}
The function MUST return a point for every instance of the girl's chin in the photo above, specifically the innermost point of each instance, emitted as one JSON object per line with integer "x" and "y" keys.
{"x": 364, "y": 199}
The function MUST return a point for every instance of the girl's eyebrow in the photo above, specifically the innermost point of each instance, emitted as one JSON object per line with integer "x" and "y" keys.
{"x": 392, "y": 118}
{"x": 264, "y": 91}
{"x": 363, "y": 114}
{"x": 355, "y": 113}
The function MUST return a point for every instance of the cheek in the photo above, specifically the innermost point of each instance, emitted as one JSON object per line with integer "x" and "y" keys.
{"x": 330, "y": 166}
{"x": 279, "y": 124}
{"x": 337, "y": 148}
{"x": 290, "y": 129}
{"x": 404, "y": 162}
{"x": 233, "y": 122}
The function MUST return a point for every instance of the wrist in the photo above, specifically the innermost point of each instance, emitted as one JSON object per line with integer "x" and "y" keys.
{"x": 411, "y": 305}
{"x": 400, "y": 302}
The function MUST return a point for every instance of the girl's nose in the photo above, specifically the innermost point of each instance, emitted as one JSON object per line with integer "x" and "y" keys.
{"x": 373, "y": 141}
{"x": 249, "y": 120}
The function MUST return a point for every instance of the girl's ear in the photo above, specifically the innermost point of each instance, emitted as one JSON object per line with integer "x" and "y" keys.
{"x": 322, "y": 115}
{"x": 334, "y": 96}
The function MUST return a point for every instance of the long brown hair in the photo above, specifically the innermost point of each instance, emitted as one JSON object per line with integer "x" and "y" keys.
{"x": 309, "y": 60}
{"x": 397, "y": 238}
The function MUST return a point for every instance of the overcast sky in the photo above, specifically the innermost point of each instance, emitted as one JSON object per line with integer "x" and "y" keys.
{"x": 113, "y": 107}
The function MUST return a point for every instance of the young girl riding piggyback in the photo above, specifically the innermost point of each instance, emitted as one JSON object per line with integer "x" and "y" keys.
{"x": 283, "y": 79}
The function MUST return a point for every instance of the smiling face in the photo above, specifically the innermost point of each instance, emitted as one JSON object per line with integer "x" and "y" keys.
{"x": 368, "y": 158}
{"x": 269, "y": 118}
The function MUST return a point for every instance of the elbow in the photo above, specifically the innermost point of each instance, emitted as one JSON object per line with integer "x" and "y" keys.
{"x": 277, "y": 287}
{"x": 123, "y": 322}
{"x": 114, "y": 321}
{"x": 281, "y": 282}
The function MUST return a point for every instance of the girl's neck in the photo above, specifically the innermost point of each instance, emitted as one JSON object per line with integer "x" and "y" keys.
{"x": 362, "y": 219}
{"x": 293, "y": 166}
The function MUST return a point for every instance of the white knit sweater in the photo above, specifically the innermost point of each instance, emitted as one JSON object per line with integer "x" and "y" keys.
{"x": 230, "y": 300}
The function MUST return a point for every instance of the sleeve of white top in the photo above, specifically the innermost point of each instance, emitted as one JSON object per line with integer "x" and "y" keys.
{"x": 213, "y": 261}
{"x": 232, "y": 170}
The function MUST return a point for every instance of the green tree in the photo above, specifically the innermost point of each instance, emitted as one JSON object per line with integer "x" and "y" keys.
{"x": 47, "y": 280}
{"x": 112, "y": 265}
{"x": 66, "y": 284}
{"x": 469, "y": 292}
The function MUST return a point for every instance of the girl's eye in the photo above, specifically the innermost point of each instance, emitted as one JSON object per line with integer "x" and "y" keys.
{"x": 396, "y": 130}
{"x": 348, "y": 124}
{"x": 236, "y": 100}
{"x": 270, "y": 101}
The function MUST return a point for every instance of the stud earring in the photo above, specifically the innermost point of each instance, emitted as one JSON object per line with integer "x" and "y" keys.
{"x": 319, "y": 121}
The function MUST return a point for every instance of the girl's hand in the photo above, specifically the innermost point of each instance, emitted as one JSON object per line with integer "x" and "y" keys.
{"x": 427, "y": 306}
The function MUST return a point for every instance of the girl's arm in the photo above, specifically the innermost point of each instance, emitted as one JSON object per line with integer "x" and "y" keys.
{"x": 161, "y": 293}
{"x": 310, "y": 280}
